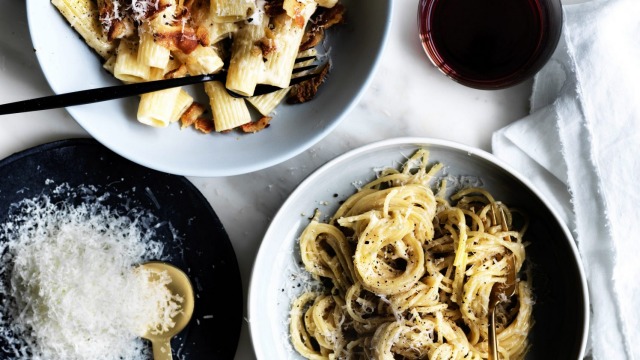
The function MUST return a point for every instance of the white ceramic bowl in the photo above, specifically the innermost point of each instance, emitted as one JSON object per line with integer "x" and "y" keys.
{"x": 561, "y": 311}
{"x": 69, "y": 65}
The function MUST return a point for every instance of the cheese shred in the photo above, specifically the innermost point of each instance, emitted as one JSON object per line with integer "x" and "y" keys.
{"x": 69, "y": 287}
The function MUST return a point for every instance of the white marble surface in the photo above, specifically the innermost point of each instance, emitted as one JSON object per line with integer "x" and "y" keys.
{"x": 407, "y": 97}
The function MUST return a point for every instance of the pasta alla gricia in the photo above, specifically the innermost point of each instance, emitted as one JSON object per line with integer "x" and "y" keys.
{"x": 253, "y": 41}
{"x": 408, "y": 273}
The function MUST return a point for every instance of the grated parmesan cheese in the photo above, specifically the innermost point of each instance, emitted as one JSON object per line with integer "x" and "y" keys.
{"x": 140, "y": 8}
{"x": 69, "y": 289}
{"x": 258, "y": 14}
{"x": 133, "y": 9}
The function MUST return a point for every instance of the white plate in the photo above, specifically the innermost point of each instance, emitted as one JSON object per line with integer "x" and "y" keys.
{"x": 69, "y": 65}
{"x": 561, "y": 312}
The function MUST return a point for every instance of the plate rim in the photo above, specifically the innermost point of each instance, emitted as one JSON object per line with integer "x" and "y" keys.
{"x": 252, "y": 300}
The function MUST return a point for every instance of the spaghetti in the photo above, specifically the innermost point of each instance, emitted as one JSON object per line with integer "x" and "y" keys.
{"x": 410, "y": 273}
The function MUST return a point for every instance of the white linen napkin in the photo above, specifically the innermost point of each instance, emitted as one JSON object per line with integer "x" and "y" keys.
{"x": 581, "y": 147}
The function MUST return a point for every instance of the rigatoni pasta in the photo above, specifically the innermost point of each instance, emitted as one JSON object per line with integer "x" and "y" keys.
{"x": 158, "y": 108}
{"x": 287, "y": 34}
{"x": 231, "y": 11}
{"x": 228, "y": 112}
{"x": 220, "y": 31}
{"x": 127, "y": 67}
{"x": 246, "y": 65}
{"x": 80, "y": 14}
{"x": 202, "y": 60}
{"x": 183, "y": 101}
{"x": 150, "y": 53}
{"x": 266, "y": 104}
{"x": 253, "y": 41}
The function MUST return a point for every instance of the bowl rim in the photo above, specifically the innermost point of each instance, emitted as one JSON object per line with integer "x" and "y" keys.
{"x": 253, "y": 301}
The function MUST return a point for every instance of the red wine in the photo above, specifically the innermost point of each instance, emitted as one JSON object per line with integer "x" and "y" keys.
{"x": 489, "y": 44}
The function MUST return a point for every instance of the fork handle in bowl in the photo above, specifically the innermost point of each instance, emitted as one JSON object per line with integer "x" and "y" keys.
{"x": 493, "y": 339}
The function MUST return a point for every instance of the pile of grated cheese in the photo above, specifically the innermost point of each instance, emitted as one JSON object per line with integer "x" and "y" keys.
{"x": 69, "y": 287}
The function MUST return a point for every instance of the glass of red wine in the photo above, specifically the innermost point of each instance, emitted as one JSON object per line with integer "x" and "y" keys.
{"x": 489, "y": 44}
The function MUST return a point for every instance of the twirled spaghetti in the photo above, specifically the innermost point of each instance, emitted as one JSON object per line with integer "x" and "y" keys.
{"x": 411, "y": 273}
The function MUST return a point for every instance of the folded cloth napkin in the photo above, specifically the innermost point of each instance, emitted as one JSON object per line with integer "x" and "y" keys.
{"x": 581, "y": 147}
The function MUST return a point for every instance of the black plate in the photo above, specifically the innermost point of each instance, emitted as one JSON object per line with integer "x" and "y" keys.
{"x": 204, "y": 252}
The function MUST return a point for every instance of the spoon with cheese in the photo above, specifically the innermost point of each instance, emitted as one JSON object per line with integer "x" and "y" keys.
{"x": 181, "y": 289}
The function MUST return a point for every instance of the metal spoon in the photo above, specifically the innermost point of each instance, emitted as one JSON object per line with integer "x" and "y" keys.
{"x": 179, "y": 285}
{"x": 498, "y": 291}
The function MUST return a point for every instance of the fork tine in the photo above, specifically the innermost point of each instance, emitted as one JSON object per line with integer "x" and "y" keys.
{"x": 262, "y": 89}
{"x": 300, "y": 79}
{"x": 303, "y": 68}
{"x": 306, "y": 58}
